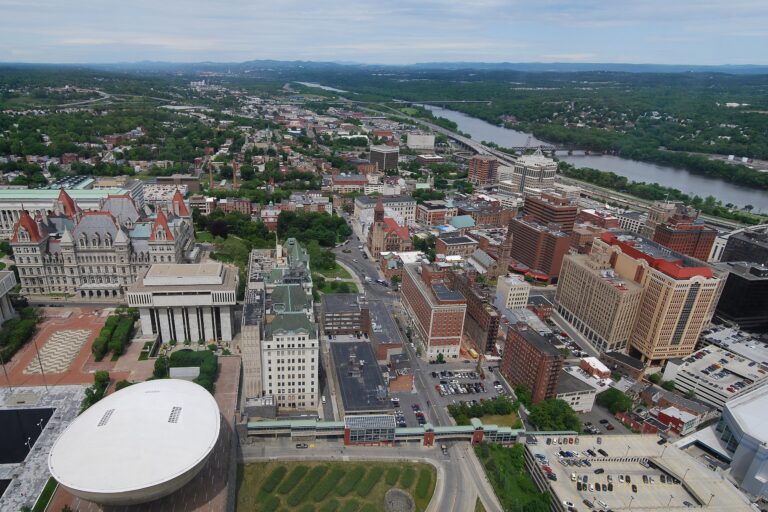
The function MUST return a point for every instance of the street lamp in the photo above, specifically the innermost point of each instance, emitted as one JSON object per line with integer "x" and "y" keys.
{"x": 710, "y": 499}
{"x": 40, "y": 424}
{"x": 686, "y": 472}
{"x": 631, "y": 499}
{"x": 670, "y": 501}
{"x": 29, "y": 446}
{"x": 40, "y": 362}
{"x": 663, "y": 450}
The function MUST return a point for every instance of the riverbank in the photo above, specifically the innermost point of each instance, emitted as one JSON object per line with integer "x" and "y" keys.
{"x": 678, "y": 178}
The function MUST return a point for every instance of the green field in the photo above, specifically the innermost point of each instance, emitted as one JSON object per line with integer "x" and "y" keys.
{"x": 504, "y": 420}
{"x": 338, "y": 271}
{"x": 330, "y": 486}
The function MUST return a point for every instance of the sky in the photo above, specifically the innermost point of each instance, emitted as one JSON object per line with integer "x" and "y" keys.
{"x": 386, "y": 32}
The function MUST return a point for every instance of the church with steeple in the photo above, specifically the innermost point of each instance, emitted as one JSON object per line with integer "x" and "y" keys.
{"x": 386, "y": 235}
{"x": 96, "y": 254}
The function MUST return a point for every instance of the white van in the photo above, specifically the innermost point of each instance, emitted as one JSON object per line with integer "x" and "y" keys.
{"x": 323, "y": 399}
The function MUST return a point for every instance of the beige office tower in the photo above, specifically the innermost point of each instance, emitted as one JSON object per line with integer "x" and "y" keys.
{"x": 679, "y": 295}
{"x": 599, "y": 303}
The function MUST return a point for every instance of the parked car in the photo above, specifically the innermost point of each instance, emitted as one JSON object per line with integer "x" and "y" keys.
{"x": 302, "y": 445}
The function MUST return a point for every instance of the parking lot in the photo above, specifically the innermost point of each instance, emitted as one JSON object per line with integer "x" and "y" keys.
{"x": 621, "y": 472}
{"x": 461, "y": 385}
{"x": 407, "y": 407}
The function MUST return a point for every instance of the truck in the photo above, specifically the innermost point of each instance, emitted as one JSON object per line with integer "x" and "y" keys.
{"x": 473, "y": 353}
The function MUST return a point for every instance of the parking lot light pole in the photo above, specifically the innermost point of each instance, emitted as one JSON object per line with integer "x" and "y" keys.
{"x": 710, "y": 499}
{"x": 670, "y": 500}
{"x": 631, "y": 499}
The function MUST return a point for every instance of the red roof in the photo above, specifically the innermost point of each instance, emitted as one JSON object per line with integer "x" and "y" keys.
{"x": 29, "y": 224}
{"x": 391, "y": 226}
{"x": 179, "y": 207}
{"x": 162, "y": 222}
{"x": 673, "y": 268}
{"x": 70, "y": 208}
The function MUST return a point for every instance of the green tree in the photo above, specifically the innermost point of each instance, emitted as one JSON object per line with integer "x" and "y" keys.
{"x": 554, "y": 415}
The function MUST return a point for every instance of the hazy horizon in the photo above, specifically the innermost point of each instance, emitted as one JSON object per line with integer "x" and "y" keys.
{"x": 706, "y": 32}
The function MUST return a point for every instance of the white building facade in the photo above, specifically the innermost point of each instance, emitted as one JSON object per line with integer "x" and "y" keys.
{"x": 186, "y": 302}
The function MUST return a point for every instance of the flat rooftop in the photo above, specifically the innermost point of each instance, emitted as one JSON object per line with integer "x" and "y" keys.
{"x": 180, "y": 278}
{"x": 739, "y": 343}
{"x": 457, "y": 240}
{"x": 361, "y": 383}
{"x": 384, "y": 329}
{"x": 698, "y": 485}
{"x": 341, "y": 303}
{"x": 723, "y": 368}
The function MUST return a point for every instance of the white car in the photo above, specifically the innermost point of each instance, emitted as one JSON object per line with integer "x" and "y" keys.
{"x": 567, "y": 503}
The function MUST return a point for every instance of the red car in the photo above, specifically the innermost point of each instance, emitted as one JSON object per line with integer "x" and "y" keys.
{"x": 547, "y": 469}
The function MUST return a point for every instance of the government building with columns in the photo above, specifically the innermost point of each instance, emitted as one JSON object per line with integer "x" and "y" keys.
{"x": 186, "y": 301}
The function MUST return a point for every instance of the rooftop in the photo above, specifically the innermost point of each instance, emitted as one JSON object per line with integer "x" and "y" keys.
{"x": 161, "y": 274}
{"x": 670, "y": 262}
{"x": 751, "y": 412}
{"x": 361, "y": 383}
{"x": 341, "y": 303}
{"x": 457, "y": 240}
{"x": 570, "y": 384}
{"x": 738, "y": 342}
{"x": 98, "y": 452}
{"x": 702, "y": 487}
{"x": 537, "y": 340}
{"x": 721, "y": 369}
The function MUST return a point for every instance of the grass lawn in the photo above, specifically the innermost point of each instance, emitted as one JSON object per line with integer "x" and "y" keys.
{"x": 339, "y": 287}
{"x": 334, "y": 273}
{"x": 506, "y": 420}
{"x": 330, "y": 486}
{"x": 479, "y": 506}
{"x": 409, "y": 111}
{"x": 203, "y": 236}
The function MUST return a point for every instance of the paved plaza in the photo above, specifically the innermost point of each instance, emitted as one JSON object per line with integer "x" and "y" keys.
{"x": 59, "y": 351}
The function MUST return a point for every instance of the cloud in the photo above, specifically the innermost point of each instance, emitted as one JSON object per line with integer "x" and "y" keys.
{"x": 397, "y": 31}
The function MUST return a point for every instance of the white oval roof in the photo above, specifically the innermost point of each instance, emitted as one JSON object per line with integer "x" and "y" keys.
{"x": 140, "y": 436}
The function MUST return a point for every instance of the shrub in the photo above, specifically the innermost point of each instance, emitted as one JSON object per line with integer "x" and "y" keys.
{"x": 393, "y": 474}
{"x": 350, "y": 506}
{"x": 122, "y": 384}
{"x": 407, "y": 477}
{"x": 614, "y": 400}
{"x": 306, "y": 485}
{"x": 422, "y": 486}
{"x": 350, "y": 481}
{"x": 330, "y": 506}
{"x": 307, "y": 507}
{"x": 293, "y": 479}
{"x": 273, "y": 479}
{"x": 367, "y": 484}
{"x": 326, "y": 485}
{"x": 268, "y": 502}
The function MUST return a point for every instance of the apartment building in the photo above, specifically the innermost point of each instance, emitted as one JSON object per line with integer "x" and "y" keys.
{"x": 401, "y": 208}
{"x": 435, "y": 213}
{"x": 539, "y": 248}
{"x": 512, "y": 292}
{"x": 530, "y": 360}
{"x": 534, "y": 171}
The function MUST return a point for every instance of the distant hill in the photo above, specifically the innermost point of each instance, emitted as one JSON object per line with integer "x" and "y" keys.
{"x": 536, "y": 67}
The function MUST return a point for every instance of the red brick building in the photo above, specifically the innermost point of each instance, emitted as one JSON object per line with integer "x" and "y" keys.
{"x": 530, "y": 360}
{"x": 551, "y": 209}
{"x": 234, "y": 204}
{"x": 600, "y": 218}
{"x": 483, "y": 170}
{"x": 681, "y": 234}
{"x": 435, "y": 213}
{"x": 436, "y": 311}
{"x": 539, "y": 248}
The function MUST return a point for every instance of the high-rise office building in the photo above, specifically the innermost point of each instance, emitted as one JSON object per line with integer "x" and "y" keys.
{"x": 483, "y": 170}
{"x": 534, "y": 171}
{"x": 745, "y": 295}
{"x": 748, "y": 244}
{"x": 437, "y": 312}
{"x": 600, "y": 304}
{"x": 539, "y": 248}
{"x": 679, "y": 295}
{"x": 385, "y": 157}
{"x": 550, "y": 209}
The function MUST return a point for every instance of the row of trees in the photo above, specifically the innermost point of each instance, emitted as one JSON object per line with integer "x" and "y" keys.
{"x": 554, "y": 415}
{"x": 462, "y": 413}
{"x": 115, "y": 334}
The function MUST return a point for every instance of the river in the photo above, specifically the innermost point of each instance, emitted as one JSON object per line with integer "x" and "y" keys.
{"x": 673, "y": 177}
